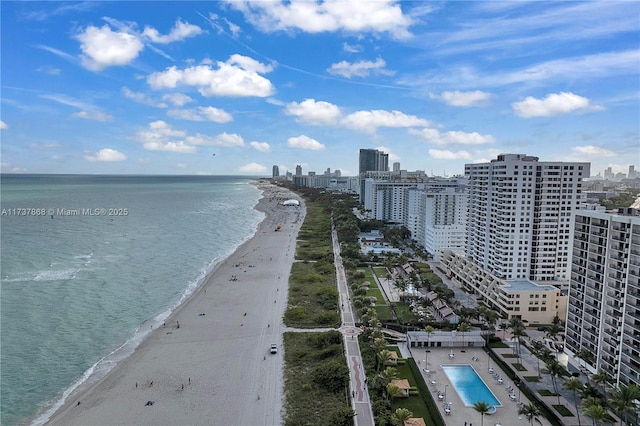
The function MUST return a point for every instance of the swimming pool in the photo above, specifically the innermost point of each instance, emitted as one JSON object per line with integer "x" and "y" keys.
{"x": 470, "y": 385}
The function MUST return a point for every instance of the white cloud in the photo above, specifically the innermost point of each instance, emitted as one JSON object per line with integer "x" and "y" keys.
{"x": 463, "y": 99}
{"x": 369, "y": 121}
{"x": 177, "y": 99}
{"x": 260, "y": 146}
{"x": 443, "y": 154}
{"x": 252, "y": 168}
{"x": 3, "y": 125}
{"x": 237, "y": 77}
{"x": 452, "y": 137}
{"x": 102, "y": 48}
{"x": 327, "y": 16}
{"x": 46, "y": 146}
{"x": 180, "y": 31}
{"x": 356, "y": 48}
{"x": 162, "y": 137}
{"x": 93, "y": 115}
{"x": 141, "y": 98}
{"x": 223, "y": 140}
{"x": 359, "y": 68}
{"x": 182, "y": 165}
{"x": 553, "y": 104}
{"x": 304, "y": 142}
{"x": 106, "y": 155}
{"x": 201, "y": 114}
{"x": 179, "y": 146}
{"x": 392, "y": 156}
{"x": 314, "y": 112}
{"x": 592, "y": 151}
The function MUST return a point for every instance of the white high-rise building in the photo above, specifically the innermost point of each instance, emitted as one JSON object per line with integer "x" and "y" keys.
{"x": 520, "y": 210}
{"x": 603, "y": 315}
{"x": 436, "y": 215}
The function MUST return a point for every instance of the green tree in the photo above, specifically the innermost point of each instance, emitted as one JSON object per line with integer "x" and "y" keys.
{"x": 428, "y": 329}
{"x": 623, "y": 401}
{"x": 574, "y": 385}
{"x": 555, "y": 370}
{"x": 483, "y": 408}
{"x": 597, "y": 413}
{"x": 463, "y": 328}
{"x": 393, "y": 391}
{"x": 400, "y": 416}
{"x": 601, "y": 378}
{"x": 586, "y": 356}
{"x": 383, "y": 357}
{"x": 536, "y": 348}
{"x": 518, "y": 333}
{"x": 531, "y": 412}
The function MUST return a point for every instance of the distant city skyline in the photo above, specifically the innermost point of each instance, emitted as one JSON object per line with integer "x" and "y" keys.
{"x": 235, "y": 87}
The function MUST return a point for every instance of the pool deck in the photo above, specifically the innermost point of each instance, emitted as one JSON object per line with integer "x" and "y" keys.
{"x": 437, "y": 381}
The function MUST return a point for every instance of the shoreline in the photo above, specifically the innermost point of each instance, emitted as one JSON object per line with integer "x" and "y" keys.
{"x": 210, "y": 363}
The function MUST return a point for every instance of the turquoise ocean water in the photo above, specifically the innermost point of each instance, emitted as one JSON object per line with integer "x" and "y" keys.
{"x": 80, "y": 290}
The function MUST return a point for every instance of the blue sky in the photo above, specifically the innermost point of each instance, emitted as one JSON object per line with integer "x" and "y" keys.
{"x": 237, "y": 87}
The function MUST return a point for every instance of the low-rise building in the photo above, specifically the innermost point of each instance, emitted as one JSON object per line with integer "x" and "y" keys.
{"x": 445, "y": 339}
{"x": 518, "y": 298}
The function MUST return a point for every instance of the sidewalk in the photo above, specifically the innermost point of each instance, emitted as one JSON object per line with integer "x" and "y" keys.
{"x": 530, "y": 362}
{"x": 359, "y": 392}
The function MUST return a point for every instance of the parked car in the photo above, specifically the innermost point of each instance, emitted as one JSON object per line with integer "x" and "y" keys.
{"x": 274, "y": 348}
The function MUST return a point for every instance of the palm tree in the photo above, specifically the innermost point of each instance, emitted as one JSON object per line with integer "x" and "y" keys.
{"x": 555, "y": 370}
{"x": 537, "y": 346}
{"x": 383, "y": 357}
{"x": 601, "y": 378}
{"x": 463, "y": 327}
{"x": 503, "y": 326}
{"x": 482, "y": 408}
{"x": 597, "y": 413}
{"x": 531, "y": 412}
{"x": 587, "y": 358}
{"x": 428, "y": 329}
{"x": 574, "y": 384}
{"x": 623, "y": 400}
{"x": 491, "y": 317}
{"x": 518, "y": 332}
{"x": 393, "y": 391}
{"x": 400, "y": 416}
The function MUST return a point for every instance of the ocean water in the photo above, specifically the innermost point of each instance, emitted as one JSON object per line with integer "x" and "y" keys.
{"x": 96, "y": 263}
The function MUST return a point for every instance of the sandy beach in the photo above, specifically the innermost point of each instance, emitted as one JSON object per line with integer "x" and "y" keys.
{"x": 210, "y": 364}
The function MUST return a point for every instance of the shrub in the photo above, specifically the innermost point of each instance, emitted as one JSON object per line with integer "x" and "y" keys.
{"x": 295, "y": 314}
{"x": 332, "y": 376}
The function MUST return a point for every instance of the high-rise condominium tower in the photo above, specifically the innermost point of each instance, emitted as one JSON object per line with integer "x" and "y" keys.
{"x": 520, "y": 209}
{"x": 603, "y": 315}
{"x": 372, "y": 160}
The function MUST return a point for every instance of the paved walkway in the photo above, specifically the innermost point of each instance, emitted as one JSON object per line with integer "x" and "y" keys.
{"x": 359, "y": 393}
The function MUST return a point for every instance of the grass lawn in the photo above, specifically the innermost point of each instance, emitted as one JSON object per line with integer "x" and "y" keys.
{"x": 509, "y": 356}
{"x": 519, "y": 367}
{"x": 405, "y": 314}
{"x": 413, "y": 402}
{"x": 531, "y": 378}
{"x": 547, "y": 392}
{"x": 564, "y": 411}
{"x": 498, "y": 345}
